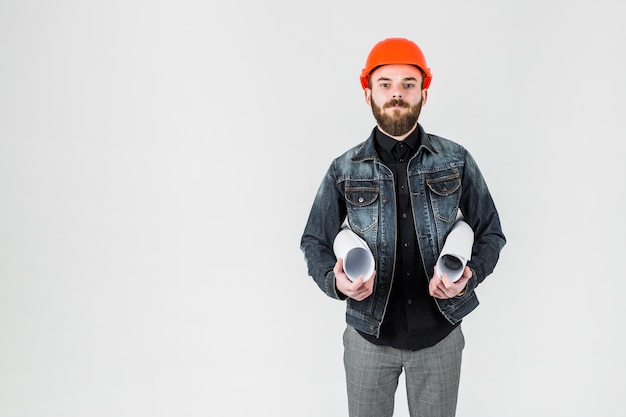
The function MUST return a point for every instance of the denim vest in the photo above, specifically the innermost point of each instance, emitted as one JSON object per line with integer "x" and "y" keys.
{"x": 443, "y": 179}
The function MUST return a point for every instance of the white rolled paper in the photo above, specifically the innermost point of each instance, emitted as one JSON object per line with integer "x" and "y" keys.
{"x": 456, "y": 251}
{"x": 357, "y": 257}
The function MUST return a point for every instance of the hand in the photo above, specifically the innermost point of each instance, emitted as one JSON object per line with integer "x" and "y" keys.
{"x": 441, "y": 287}
{"x": 357, "y": 290}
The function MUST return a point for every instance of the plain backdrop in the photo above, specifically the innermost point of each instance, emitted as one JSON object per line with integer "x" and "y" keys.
{"x": 158, "y": 160}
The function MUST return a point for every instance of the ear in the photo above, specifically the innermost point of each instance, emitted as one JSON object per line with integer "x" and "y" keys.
{"x": 424, "y": 96}
{"x": 368, "y": 96}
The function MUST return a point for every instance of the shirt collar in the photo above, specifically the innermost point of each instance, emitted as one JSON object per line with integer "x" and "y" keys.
{"x": 387, "y": 142}
{"x": 367, "y": 150}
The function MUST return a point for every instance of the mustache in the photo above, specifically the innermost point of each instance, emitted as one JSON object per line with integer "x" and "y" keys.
{"x": 396, "y": 102}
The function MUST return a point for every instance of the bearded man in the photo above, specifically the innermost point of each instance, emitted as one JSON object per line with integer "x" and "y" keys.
{"x": 401, "y": 191}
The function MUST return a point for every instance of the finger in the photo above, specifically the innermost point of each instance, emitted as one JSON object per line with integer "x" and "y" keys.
{"x": 367, "y": 291}
{"x": 438, "y": 293}
{"x": 433, "y": 286}
{"x": 362, "y": 294}
{"x": 462, "y": 281}
{"x": 357, "y": 284}
{"x": 467, "y": 272}
{"x": 446, "y": 281}
{"x": 439, "y": 288}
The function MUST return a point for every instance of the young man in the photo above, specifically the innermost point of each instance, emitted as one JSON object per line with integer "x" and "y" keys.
{"x": 401, "y": 191}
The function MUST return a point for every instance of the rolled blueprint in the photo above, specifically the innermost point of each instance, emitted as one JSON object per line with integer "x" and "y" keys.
{"x": 357, "y": 257}
{"x": 456, "y": 251}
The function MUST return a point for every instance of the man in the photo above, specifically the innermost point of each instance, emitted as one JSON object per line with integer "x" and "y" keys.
{"x": 401, "y": 191}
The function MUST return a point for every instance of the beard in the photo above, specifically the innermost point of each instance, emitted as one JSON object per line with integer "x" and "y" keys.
{"x": 395, "y": 124}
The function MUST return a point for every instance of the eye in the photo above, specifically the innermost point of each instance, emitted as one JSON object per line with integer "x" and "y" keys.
{"x": 409, "y": 85}
{"x": 384, "y": 85}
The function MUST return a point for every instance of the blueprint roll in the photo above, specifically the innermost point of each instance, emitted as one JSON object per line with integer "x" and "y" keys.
{"x": 357, "y": 257}
{"x": 456, "y": 251}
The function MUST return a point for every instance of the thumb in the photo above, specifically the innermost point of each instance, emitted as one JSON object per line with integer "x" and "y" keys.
{"x": 338, "y": 266}
{"x": 435, "y": 274}
{"x": 359, "y": 281}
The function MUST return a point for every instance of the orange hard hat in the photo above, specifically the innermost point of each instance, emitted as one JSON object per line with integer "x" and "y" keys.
{"x": 395, "y": 51}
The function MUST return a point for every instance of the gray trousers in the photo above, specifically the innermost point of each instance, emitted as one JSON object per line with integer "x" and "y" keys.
{"x": 432, "y": 376}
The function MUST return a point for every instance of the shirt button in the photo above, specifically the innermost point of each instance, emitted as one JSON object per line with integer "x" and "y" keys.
{"x": 404, "y": 215}
{"x": 409, "y": 301}
{"x": 385, "y": 244}
{"x": 406, "y": 245}
{"x": 361, "y": 199}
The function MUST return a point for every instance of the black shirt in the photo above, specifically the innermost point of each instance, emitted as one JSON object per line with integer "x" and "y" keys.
{"x": 412, "y": 319}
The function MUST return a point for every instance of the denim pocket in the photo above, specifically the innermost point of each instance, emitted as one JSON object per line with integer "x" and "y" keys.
{"x": 445, "y": 193}
{"x": 361, "y": 200}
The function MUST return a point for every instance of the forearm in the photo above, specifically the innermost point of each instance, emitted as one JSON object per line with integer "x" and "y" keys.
{"x": 320, "y": 261}
{"x": 324, "y": 222}
{"x": 481, "y": 214}
{"x": 485, "y": 255}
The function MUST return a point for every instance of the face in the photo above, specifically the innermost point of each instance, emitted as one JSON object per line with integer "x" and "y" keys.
{"x": 396, "y": 98}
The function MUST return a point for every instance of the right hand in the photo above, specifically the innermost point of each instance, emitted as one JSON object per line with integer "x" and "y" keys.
{"x": 357, "y": 290}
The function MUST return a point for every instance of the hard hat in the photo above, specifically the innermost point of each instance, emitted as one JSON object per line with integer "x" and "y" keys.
{"x": 395, "y": 51}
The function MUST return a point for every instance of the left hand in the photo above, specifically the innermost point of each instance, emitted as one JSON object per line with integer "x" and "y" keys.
{"x": 441, "y": 287}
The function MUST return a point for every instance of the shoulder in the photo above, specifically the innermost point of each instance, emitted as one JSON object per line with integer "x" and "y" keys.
{"x": 351, "y": 153}
{"x": 364, "y": 150}
{"x": 344, "y": 164}
{"x": 445, "y": 146}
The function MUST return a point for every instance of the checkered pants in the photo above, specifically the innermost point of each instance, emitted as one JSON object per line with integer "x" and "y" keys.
{"x": 432, "y": 376}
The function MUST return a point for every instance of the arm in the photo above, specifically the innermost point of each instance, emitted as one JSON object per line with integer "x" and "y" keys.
{"x": 480, "y": 213}
{"x": 325, "y": 218}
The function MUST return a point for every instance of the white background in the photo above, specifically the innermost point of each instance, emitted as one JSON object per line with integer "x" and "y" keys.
{"x": 158, "y": 160}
